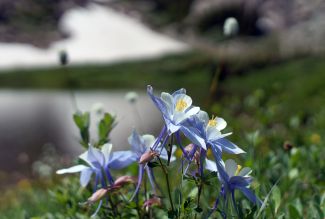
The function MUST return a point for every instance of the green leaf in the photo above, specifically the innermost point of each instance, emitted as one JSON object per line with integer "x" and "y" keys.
{"x": 177, "y": 197}
{"x": 276, "y": 197}
{"x": 266, "y": 199}
{"x": 293, "y": 212}
{"x": 105, "y": 126}
{"x": 82, "y": 120}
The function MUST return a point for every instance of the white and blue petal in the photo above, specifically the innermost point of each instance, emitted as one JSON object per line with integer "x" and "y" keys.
{"x": 228, "y": 146}
{"x": 192, "y": 111}
{"x": 180, "y": 91}
{"x": 220, "y": 123}
{"x": 245, "y": 171}
{"x": 85, "y": 176}
{"x": 106, "y": 151}
{"x": 203, "y": 116}
{"x": 169, "y": 102}
{"x": 121, "y": 159}
{"x": 160, "y": 104}
{"x": 73, "y": 169}
{"x": 95, "y": 156}
{"x": 185, "y": 98}
{"x": 210, "y": 165}
{"x": 148, "y": 141}
{"x": 136, "y": 143}
{"x": 193, "y": 136}
{"x": 230, "y": 167}
{"x": 172, "y": 128}
{"x": 250, "y": 195}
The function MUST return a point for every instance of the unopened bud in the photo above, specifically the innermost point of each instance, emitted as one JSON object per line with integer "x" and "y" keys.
{"x": 230, "y": 27}
{"x": 96, "y": 196}
{"x": 131, "y": 96}
{"x": 121, "y": 181}
{"x": 155, "y": 201}
{"x": 287, "y": 146}
{"x": 148, "y": 156}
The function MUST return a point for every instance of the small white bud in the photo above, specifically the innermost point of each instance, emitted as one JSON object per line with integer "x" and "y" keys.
{"x": 131, "y": 96}
{"x": 230, "y": 27}
{"x": 97, "y": 108}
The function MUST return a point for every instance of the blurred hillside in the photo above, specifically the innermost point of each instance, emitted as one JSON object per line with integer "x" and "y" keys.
{"x": 268, "y": 30}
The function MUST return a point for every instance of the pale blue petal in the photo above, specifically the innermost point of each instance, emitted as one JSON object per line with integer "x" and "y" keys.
{"x": 148, "y": 141}
{"x": 245, "y": 171}
{"x": 136, "y": 143}
{"x": 95, "y": 156}
{"x": 203, "y": 116}
{"x": 180, "y": 91}
{"x": 220, "y": 164}
{"x": 74, "y": 169}
{"x": 121, "y": 159}
{"x": 193, "y": 136}
{"x": 169, "y": 102}
{"x": 179, "y": 117}
{"x": 220, "y": 123}
{"x": 157, "y": 101}
{"x": 231, "y": 167}
{"x": 193, "y": 111}
{"x": 212, "y": 133}
{"x": 210, "y": 165}
{"x": 106, "y": 151}
{"x": 238, "y": 181}
{"x": 84, "y": 157}
{"x": 172, "y": 128}
{"x": 85, "y": 177}
{"x": 250, "y": 195}
{"x": 228, "y": 146}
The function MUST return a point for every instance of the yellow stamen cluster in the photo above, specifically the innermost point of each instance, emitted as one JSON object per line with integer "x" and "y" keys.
{"x": 180, "y": 105}
{"x": 212, "y": 122}
{"x": 238, "y": 169}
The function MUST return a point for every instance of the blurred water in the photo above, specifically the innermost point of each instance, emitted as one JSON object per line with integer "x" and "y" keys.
{"x": 30, "y": 119}
{"x": 97, "y": 35}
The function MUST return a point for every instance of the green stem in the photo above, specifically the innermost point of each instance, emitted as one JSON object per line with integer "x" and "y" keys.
{"x": 168, "y": 186}
{"x": 170, "y": 149}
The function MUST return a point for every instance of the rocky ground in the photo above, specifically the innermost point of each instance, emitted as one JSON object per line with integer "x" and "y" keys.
{"x": 33, "y": 21}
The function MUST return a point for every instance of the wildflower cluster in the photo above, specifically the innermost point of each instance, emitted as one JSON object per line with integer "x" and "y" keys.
{"x": 204, "y": 135}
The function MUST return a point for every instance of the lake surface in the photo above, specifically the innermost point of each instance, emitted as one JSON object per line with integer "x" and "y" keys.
{"x": 31, "y": 119}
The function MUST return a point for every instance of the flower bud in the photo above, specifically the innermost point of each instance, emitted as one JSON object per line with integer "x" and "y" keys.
{"x": 287, "y": 146}
{"x": 148, "y": 156}
{"x": 131, "y": 96}
{"x": 151, "y": 202}
{"x": 121, "y": 181}
{"x": 230, "y": 27}
{"x": 96, "y": 196}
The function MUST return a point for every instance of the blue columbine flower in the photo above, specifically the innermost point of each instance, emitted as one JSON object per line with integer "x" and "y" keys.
{"x": 176, "y": 109}
{"x": 232, "y": 177}
{"x": 141, "y": 146}
{"x": 100, "y": 162}
{"x": 210, "y": 131}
